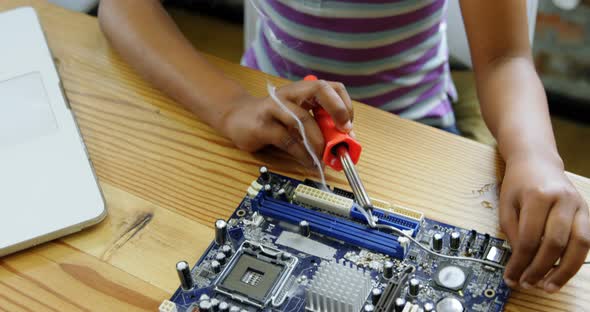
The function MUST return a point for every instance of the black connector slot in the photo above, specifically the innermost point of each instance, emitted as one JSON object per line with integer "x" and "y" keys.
{"x": 343, "y": 193}
{"x": 403, "y": 280}
{"x": 387, "y": 301}
{"x": 484, "y": 245}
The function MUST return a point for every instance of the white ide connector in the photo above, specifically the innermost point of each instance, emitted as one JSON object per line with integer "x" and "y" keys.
{"x": 407, "y": 212}
{"x": 397, "y": 209}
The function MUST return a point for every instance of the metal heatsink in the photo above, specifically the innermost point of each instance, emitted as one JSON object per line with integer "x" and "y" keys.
{"x": 338, "y": 287}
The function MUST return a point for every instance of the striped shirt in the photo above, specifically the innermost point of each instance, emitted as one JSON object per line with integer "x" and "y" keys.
{"x": 391, "y": 54}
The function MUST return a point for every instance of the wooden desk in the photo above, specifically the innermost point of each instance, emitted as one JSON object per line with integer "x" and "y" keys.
{"x": 167, "y": 177}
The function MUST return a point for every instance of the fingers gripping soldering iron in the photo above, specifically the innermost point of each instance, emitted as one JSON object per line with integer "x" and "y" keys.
{"x": 341, "y": 152}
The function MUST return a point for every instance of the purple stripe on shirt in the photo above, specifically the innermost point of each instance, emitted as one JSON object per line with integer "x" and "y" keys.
{"x": 429, "y": 93}
{"x": 373, "y": 1}
{"x": 285, "y": 67}
{"x": 434, "y": 91}
{"x": 352, "y": 55}
{"x": 384, "y": 98}
{"x": 440, "y": 110}
{"x": 356, "y": 25}
{"x": 250, "y": 59}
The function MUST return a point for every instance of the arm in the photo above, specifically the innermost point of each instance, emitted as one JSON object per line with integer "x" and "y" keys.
{"x": 147, "y": 38}
{"x": 541, "y": 212}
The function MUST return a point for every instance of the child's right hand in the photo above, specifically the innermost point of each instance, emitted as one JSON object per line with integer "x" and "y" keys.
{"x": 253, "y": 123}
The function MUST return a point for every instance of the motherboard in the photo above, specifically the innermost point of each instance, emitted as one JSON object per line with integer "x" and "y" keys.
{"x": 296, "y": 246}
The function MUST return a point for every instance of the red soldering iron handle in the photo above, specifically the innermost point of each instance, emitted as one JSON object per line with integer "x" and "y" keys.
{"x": 334, "y": 138}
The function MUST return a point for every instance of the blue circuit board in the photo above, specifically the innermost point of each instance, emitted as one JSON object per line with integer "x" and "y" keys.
{"x": 270, "y": 218}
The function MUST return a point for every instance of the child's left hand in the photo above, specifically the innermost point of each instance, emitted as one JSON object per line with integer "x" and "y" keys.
{"x": 545, "y": 219}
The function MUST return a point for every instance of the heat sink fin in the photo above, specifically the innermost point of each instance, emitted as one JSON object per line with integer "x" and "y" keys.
{"x": 338, "y": 287}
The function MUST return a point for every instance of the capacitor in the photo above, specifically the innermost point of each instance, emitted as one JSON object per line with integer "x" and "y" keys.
{"x": 414, "y": 287}
{"x": 428, "y": 307}
{"x": 376, "y": 295}
{"x": 264, "y": 174}
{"x": 205, "y": 306}
{"x": 220, "y": 232}
{"x": 455, "y": 240}
{"x": 449, "y": 304}
{"x": 437, "y": 242}
{"x": 472, "y": 236}
{"x": 285, "y": 256}
{"x": 304, "y": 228}
{"x": 388, "y": 269}
{"x": 184, "y": 274}
{"x": 220, "y": 256}
{"x": 267, "y": 188}
{"x": 226, "y": 249}
{"x": 223, "y": 306}
{"x": 215, "y": 266}
{"x": 369, "y": 307}
{"x": 400, "y": 303}
{"x": 214, "y": 305}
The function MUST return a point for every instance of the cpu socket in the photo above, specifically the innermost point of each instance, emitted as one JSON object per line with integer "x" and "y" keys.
{"x": 256, "y": 274}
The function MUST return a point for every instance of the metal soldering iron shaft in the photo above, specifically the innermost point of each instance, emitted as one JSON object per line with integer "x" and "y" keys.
{"x": 358, "y": 189}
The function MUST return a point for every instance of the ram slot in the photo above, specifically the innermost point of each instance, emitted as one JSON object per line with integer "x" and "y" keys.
{"x": 331, "y": 226}
{"x": 345, "y": 207}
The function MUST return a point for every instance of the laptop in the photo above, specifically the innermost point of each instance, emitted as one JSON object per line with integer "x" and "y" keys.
{"x": 48, "y": 188}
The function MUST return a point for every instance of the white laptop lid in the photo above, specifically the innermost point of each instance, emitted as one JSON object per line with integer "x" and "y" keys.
{"x": 47, "y": 185}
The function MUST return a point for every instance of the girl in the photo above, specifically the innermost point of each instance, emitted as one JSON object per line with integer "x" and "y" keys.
{"x": 390, "y": 54}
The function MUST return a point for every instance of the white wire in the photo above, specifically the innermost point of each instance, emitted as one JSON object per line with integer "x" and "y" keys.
{"x": 308, "y": 147}
{"x": 373, "y": 224}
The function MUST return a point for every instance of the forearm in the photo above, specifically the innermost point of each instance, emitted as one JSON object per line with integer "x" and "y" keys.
{"x": 147, "y": 38}
{"x": 540, "y": 210}
{"x": 515, "y": 109}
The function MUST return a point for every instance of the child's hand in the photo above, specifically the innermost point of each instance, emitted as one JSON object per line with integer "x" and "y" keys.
{"x": 545, "y": 219}
{"x": 253, "y": 123}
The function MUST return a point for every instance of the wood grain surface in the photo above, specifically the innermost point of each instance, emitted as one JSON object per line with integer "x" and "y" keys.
{"x": 166, "y": 178}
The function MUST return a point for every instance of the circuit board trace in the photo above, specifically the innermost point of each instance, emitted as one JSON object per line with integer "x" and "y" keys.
{"x": 269, "y": 260}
